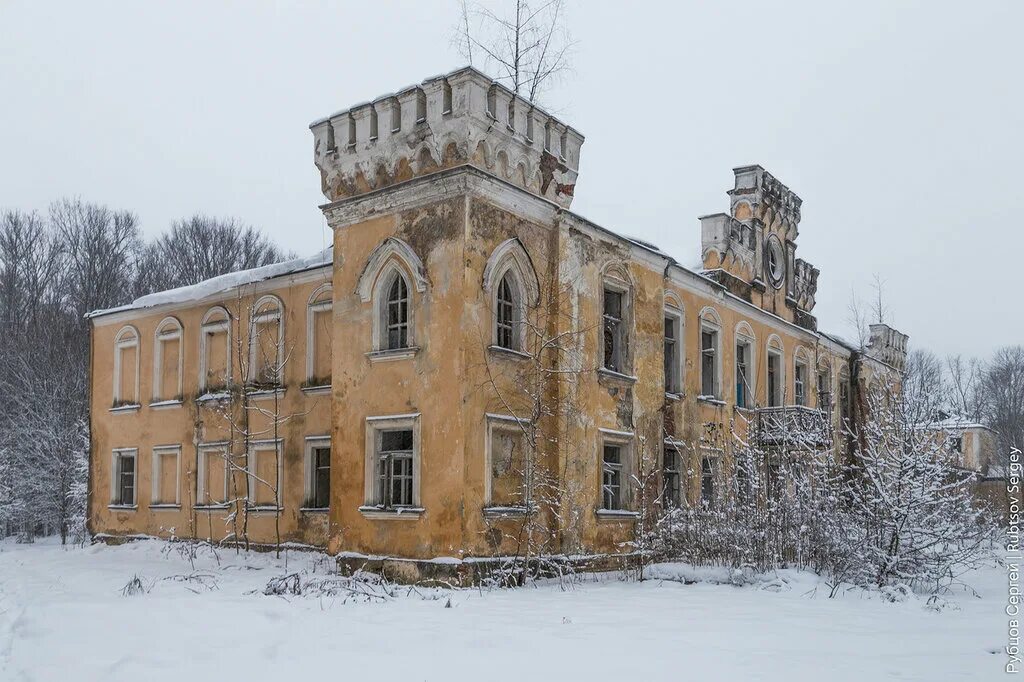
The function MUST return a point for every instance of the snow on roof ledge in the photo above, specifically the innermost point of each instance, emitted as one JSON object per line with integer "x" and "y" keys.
{"x": 222, "y": 283}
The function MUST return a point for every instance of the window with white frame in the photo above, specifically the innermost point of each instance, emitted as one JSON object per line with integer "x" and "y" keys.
{"x": 123, "y": 478}
{"x": 392, "y": 462}
{"x": 166, "y": 476}
{"x": 167, "y": 361}
{"x": 318, "y": 473}
{"x": 507, "y": 457}
{"x": 126, "y": 367}
{"x": 800, "y": 381}
{"x": 615, "y": 470}
{"x": 264, "y": 471}
{"x": 319, "y": 331}
{"x": 212, "y": 478}
{"x": 215, "y": 350}
{"x": 614, "y": 308}
{"x": 266, "y": 343}
{"x": 673, "y": 342}
{"x": 774, "y": 376}
{"x": 744, "y": 367}
{"x": 710, "y": 355}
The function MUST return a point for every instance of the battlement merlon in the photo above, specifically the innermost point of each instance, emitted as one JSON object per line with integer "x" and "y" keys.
{"x": 463, "y": 117}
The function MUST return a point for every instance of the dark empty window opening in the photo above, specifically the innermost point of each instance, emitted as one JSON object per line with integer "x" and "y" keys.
{"x": 670, "y": 474}
{"x": 321, "y": 497}
{"x": 507, "y": 336}
{"x": 396, "y": 115}
{"x": 613, "y": 340}
{"x": 373, "y": 123}
{"x": 774, "y": 380}
{"x": 672, "y": 355}
{"x": 708, "y": 362}
{"x": 743, "y": 375}
{"x": 707, "y": 481}
{"x": 799, "y": 380}
{"x": 125, "y": 480}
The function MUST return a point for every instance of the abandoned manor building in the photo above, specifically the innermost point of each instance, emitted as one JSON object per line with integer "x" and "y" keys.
{"x": 467, "y": 354}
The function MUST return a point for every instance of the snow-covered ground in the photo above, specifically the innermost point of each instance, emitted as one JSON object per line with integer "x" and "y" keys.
{"x": 63, "y": 617}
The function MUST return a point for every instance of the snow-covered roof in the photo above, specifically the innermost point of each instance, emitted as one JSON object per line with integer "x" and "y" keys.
{"x": 226, "y": 282}
{"x": 955, "y": 423}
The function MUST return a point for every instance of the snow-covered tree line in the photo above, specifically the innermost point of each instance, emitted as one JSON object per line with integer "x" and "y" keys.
{"x": 889, "y": 507}
{"x": 55, "y": 267}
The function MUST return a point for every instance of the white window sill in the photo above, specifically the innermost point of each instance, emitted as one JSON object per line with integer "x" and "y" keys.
{"x": 393, "y": 354}
{"x": 165, "y": 404}
{"x": 711, "y": 400}
{"x": 265, "y": 393}
{"x": 509, "y": 353}
{"x": 396, "y": 514}
{"x": 616, "y": 515}
{"x": 265, "y": 509}
{"x": 123, "y": 507}
{"x": 161, "y": 507}
{"x": 669, "y": 395}
{"x": 314, "y": 510}
{"x": 212, "y": 507}
{"x": 213, "y": 396}
{"x": 134, "y": 407}
{"x": 316, "y": 390}
{"x": 616, "y": 377}
{"x": 497, "y": 512}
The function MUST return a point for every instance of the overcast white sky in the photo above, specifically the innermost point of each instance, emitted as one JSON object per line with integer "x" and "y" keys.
{"x": 899, "y": 124}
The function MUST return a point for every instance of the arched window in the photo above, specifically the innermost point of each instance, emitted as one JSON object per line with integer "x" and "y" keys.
{"x": 673, "y": 344}
{"x": 745, "y": 365}
{"x": 266, "y": 343}
{"x": 507, "y": 324}
{"x": 215, "y": 350}
{"x": 511, "y": 283}
{"x": 167, "y": 359}
{"x": 801, "y": 376}
{"x": 391, "y": 274}
{"x": 126, "y": 367}
{"x": 319, "y": 332}
{"x": 396, "y": 313}
{"x": 710, "y": 354}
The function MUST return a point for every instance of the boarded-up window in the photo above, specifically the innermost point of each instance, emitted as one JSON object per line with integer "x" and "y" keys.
{"x": 265, "y": 358}
{"x": 167, "y": 376}
{"x": 213, "y": 469}
{"x": 263, "y": 482}
{"x": 126, "y": 367}
{"x": 266, "y": 344}
{"x": 508, "y": 465}
{"x": 215, "y": 350}
{"x": 322, "y": 338}
{"x": 166, "y": 472}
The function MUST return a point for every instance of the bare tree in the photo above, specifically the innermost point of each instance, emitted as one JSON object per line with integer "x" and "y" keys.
{"x": 530, "y": 46}
{"x": 1003, "y": 387}
{"x": 963, "y": 384}
{"x": 201, "y": 247}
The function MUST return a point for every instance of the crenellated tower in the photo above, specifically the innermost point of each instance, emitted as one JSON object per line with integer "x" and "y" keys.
{"x": 752, "y": 248}
{"x": 460, "y": 118}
